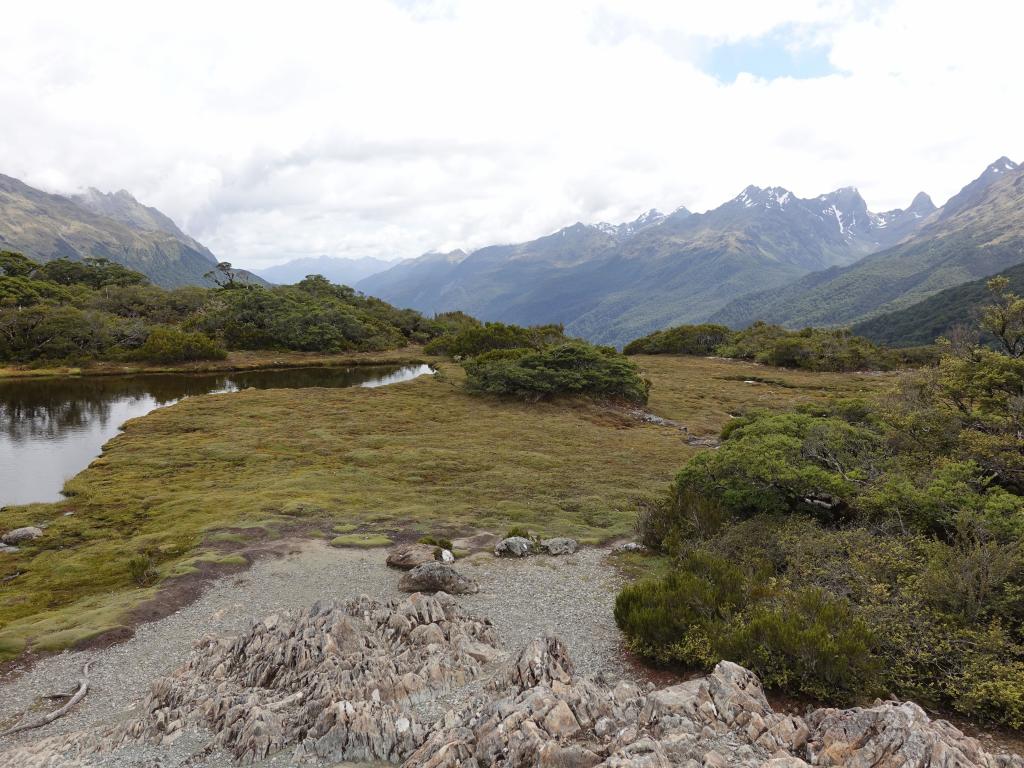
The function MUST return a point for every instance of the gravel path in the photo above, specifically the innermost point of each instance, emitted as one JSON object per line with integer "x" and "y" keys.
{"x": 570, "y": 596}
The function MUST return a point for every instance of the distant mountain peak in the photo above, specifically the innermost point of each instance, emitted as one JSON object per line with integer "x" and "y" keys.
{"x": 921, "y": 205}
{"x": 768, "y": 197}
{"x": 1001, "y": 165}
{"x": 650, "y": 218}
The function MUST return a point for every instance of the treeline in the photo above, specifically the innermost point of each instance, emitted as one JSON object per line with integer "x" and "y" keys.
{"x": 77, "y": 311}
{"x": 859, "y": 549}
{"x": 538, "y": 362}
{"x": 813, "y": 349}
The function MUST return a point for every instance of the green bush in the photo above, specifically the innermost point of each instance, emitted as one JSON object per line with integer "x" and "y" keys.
{"x": 571, "y": 368}
{"x": 702, "y": 339}
{"x": 142, "y": 570}
{"x": 810, "y": 644}
{"x": 475, "y": 339}
{"x": 437, "y": 541}
{"x": 170, "y": 345}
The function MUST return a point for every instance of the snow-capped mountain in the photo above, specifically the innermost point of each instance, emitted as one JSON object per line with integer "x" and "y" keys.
{"x": 615, "y": 282}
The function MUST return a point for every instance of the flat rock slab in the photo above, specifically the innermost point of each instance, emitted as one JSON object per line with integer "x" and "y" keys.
{"x": 408, "y": 556}
{"x": 21, "y": 535}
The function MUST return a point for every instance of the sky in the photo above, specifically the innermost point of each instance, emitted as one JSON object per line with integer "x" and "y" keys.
{"x": 388, "y": 128}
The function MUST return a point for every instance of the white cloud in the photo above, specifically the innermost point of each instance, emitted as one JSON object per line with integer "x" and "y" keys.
{"x": 376, "y": 128}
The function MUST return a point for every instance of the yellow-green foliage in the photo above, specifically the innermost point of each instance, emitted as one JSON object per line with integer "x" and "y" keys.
{"x": 422, "y": 454}
{"x": 361, "y": 540}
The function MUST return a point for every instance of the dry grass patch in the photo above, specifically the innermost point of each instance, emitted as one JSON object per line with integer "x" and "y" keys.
{"x": 704, "y": 393}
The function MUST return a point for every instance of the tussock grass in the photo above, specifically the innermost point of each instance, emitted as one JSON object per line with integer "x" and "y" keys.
{"x": 361, "y": 540}
{"x": 183, "y": 482}
{"x": 703, "y": 392}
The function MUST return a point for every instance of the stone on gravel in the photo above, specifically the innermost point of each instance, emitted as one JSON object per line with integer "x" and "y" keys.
{"x": 513, "y": 546}
{"x": 437, "y": 577}
{"x": 21, "y": 535}
{"x": 408, "y": 556}
{"x": 342, "y": 682}
{"x": 560, "y": 546}
{"x": 630, "y": 546}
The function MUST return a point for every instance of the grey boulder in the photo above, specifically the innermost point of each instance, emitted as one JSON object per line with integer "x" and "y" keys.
{"x": 21, "y": 535}
{"x": 513, "y": 546}
{"x": 560, "y": 546}
{"x": 437, "y": 577}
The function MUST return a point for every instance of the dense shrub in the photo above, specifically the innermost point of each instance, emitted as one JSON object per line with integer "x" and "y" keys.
{"x": 312, "y": 316}
{"x": 710, "y": 608}
{"x": 64, "y": 333}
{"x": 889, "y": 536}
{"x": 681, "y": 340}
{"x": 475, "y": 339}
{"x": 95, "y": 309}
{"x": 170, "y": 345}
{"x": 572, "y": 368}
{"x": 814, "y": 349}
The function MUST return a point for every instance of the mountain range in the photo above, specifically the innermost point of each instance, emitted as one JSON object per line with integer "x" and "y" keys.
{"x": 765, "y": 254}
{"x": 978, "y": 232}
{"x": 612, "y": 283}
{"x": 114, "y": 226}
{"x": 337, "y": 270}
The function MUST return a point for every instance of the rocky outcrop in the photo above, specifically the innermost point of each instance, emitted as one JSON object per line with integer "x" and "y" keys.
{"x": 437, "y": 577}
{"x": 408, "y": 556}
{"x": 513, "y": 546}
{"x": 351, "y": 681}
{"x": 21, "y": 535}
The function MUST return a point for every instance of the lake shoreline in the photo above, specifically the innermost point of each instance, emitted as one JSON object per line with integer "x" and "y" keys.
{"x": 235, "y": 361}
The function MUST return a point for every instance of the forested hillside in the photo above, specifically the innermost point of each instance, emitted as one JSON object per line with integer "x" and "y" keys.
{"x": 78, "y": 311}
{"x": 936, "y": 316}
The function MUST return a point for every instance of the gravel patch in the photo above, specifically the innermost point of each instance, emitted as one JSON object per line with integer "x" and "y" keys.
{"x": 571, "y": 596}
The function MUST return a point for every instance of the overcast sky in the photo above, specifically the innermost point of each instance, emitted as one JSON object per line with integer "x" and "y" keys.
{"x": 391, "y": 127}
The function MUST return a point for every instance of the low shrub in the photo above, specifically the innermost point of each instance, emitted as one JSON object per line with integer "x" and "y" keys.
{"x": 572, "y": 368}
{"x": 142, "y": 570}
{"x": 437, "y": 541}
{"x": 170, "y": 345}
{"x": 702, "y": 339}
{"x": 472, "y": 338}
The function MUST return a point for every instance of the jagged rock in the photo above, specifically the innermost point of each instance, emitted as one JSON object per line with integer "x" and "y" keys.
{"x": 560, "y": 546}
{"x": 446, "y": 556}
{"x": 342, "y": 682}
{"x": 408, "y": 556}
{"x": 892, "y": 734}
{"x": 513, "y": 546}
{"x": 437, "y": 577}
{"x": 21, "y": 535}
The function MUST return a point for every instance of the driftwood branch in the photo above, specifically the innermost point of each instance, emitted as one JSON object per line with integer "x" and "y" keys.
{"x": 77, "y": 696}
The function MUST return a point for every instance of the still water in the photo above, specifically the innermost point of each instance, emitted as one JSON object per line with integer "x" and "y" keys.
{"x": 50, "y": 429}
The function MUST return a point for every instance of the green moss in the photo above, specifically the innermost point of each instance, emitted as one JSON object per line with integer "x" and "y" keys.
{"x": 361, "y": 540}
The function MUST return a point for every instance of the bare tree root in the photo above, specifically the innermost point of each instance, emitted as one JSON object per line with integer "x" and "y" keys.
{"x": 77, "y": 696}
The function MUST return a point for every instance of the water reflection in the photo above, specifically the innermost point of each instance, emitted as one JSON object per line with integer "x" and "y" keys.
{"x": 50, "y": 429}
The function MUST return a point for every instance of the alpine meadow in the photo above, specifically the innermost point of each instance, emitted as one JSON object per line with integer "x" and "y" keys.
{"x": 511, "y": 385}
